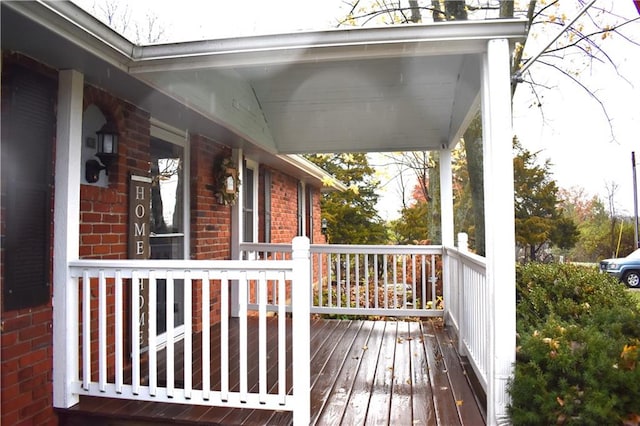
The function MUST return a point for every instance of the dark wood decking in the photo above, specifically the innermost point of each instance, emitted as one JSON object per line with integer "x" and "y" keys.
{"x": 362, "y": 373}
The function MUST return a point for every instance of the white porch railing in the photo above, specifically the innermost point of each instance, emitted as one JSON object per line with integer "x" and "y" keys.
{"x": 418, "y": 281}
{"x": 469, "y": 306}
{"x": 335, "y": 279}
{"x": 367, "y": 280}
{"x": 100, "y": 288}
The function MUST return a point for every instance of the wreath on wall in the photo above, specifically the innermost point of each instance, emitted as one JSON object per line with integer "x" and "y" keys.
{"x": 227, "y": 181}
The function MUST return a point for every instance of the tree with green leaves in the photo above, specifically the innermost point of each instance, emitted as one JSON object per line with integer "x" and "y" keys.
{"x": 540, "y": 222}
{"x": 603, "y": 234}
{"x": 351, "y": 215}
{"x": 586, "y": 39}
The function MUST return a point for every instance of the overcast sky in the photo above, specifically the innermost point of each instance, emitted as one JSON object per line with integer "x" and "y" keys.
{"x": 569, "y": 128}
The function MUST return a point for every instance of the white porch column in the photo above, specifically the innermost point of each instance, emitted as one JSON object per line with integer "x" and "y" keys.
{"x": 446, "y": 222}
{"x": 66, "y": 236}
{"x": 301, "y": 330}
{"x": 499, "y": 224}
{"x": 446, "y": 198}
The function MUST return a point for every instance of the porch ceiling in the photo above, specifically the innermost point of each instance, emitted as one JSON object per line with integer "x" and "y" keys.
{"x": 359, "y": 90}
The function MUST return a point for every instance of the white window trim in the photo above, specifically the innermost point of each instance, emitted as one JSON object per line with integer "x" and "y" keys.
{"x": 255, "y": 166}
{"x": 301, "y": 188}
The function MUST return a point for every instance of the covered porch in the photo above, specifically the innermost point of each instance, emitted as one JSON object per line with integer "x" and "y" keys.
{"x": 384, "y": 89}
{"x": 419, "y": 363}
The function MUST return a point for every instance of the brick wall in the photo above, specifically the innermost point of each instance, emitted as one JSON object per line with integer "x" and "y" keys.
{"x": 104, "y": 211}
{"x": 284, "y": 207}
{"x": 210, "y": 221}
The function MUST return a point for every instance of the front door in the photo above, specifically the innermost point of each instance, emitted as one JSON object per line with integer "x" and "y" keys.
{"x": 167, "y": 238}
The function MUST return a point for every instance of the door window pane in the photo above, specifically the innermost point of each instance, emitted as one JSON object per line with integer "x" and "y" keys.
{"x": 167, "y": 221}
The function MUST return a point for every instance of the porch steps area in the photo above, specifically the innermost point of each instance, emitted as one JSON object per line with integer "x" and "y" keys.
{"x": 362, "y": 373}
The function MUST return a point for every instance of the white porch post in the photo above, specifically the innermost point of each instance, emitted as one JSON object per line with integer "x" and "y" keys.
{"x": 237, "y": 227}
{"x": 301, "y": 307}
{"x": 66, "y": 236}
{"x": 446, "y": 198}
{"x": 499, "y": 224}
{"x": 446, "y": 222}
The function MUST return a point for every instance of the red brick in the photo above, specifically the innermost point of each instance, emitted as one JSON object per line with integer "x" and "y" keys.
{"x": 46, "y": 417}
{"x": 9, "y": 417}
{"x": 101, "y": 229}
{"x": 9, "y": 377}
{"x": 15, "y": 351}
{"x": 33, "y": 357}
{"x": 33, "y": 331}
{"x": 110, "y": 239}
{"x": 16, "y": 323}
{"x": 13, "y": 400}
{"x": 91, "y": 239}
{"x": 41, "y": 316}
{"x": 9, "y": 339}
{"x": 89, "y": 217}
{"x": 28, "y": 412}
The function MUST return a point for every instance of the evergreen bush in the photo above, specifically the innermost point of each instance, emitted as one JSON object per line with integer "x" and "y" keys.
{"x": 578, "y": 348}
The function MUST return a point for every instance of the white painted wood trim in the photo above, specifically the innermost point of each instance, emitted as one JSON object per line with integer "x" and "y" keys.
{"x": 499, "y": 223}
{"x": 153, "y": 333}
{"x": 446, "y": 223}
{"x": 236, "y": 229}
{"x": 206, "y": 338}
{"x": 301, "y": 329}
{"x": 66, "y": 236}
{"x": 119, "y": 334}
{"x": 255, "y": 166}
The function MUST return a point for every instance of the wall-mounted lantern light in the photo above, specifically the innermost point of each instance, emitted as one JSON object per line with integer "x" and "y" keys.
{"x": 107, "y": 152}
{"x": 323, "y": 226}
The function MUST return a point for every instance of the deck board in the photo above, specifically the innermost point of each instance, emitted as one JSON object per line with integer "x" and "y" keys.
{"x": 362, "y": 373}
{"x": 356, "y": 410}
{"x": 380, "y": 399}
{"x": 423, "y": 413}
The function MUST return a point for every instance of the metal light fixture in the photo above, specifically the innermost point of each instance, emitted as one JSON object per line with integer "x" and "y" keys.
{"x": 323, "y": 226}
{"x": 107, "y": 138}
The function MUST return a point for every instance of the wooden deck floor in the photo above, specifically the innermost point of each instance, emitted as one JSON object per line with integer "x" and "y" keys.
{"x": 362, "y": 373}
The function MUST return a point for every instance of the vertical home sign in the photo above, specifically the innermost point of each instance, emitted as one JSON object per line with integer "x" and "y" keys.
{"x": 139, "y": 227}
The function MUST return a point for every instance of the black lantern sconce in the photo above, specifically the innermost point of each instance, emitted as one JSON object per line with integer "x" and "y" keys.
{"x": 107, "y": 152}
{"x": 323, "y": 226}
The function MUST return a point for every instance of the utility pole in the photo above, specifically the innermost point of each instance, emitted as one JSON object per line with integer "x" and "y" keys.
{"x": 635, "y": 200}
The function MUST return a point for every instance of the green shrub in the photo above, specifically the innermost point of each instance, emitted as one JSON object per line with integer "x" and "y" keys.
{"x": 578, "y": 348}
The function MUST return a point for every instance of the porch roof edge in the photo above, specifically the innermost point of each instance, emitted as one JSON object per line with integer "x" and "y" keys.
{"x": 329, "y": 182}
{"x": 332, "y": 44}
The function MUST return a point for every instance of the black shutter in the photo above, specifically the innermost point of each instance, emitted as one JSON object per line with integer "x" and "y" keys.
{"x": 27, "y": 149}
